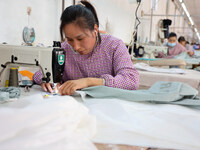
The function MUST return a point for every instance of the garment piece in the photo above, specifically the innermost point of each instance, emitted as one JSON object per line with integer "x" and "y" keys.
{"x": 186, "y": 57}
{"x": 176, "y": 50}
{"x": 147, "y": 79}
{"x": 109, "y": 60}
{"x": 160, "y": 92}
{"x": 9, "y": 92}
{"x": 4, "y": 96}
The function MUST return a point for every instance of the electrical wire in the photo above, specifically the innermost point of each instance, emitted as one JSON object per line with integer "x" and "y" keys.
{"x": 137, "y": 23}
{"x": 137, "y": 19}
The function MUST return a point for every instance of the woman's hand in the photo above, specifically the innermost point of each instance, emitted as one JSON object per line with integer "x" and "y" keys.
{"x": 48, "y": 87}
{"x": 69, "y": 87}
{"x": 190, "y": 53}
{"x": 160, "y": 55}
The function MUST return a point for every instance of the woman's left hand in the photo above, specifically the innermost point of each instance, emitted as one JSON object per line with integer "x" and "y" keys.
{"x": 69, "y": 87}
{"x": 191, "y": 53}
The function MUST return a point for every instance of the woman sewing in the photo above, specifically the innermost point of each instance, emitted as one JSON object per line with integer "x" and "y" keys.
{"x": 175, "y": 48}
{"x": 91, "y": 59}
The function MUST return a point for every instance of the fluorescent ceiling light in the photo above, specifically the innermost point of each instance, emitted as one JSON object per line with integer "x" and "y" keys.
{"x": 191, "y": 21}
{"x": 185, "y": 9}
{"x": 187, "y": 13}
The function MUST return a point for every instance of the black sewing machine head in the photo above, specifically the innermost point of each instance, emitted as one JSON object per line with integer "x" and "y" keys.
{"x": 58, "y": 62}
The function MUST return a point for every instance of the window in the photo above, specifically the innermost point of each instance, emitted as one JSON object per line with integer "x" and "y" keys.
{"x": 154, "y": 4}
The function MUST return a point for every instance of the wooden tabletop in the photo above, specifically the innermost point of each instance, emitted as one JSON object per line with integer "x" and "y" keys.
{"x": 122, "y": 147}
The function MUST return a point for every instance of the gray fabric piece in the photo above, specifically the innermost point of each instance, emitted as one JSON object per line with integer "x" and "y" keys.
{"x": 160, "y": 92}
{"x": 9, "y": 92}
{"x": 185, "y": 56}
{"x": 4, "y": 96}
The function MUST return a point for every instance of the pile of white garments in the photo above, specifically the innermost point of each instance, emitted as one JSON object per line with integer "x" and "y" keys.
{"x": 34, "y": 123}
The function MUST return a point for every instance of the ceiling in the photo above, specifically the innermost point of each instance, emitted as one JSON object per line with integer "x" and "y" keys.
{"x": 193, "y": 7}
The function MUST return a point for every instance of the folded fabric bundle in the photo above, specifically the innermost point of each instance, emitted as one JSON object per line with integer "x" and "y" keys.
{"x": 160, "y": 92}
{"x": 9, "y": 92}
{"x": 185, "y": 56}
{"x": 58, "y": 123}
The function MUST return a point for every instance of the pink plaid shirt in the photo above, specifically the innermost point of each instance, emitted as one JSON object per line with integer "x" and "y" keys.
{"x": 174, "y": 51}
{"x": 110, "y": 60}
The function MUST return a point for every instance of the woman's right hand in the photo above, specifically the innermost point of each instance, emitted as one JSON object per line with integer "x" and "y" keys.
{"x": 48, "y": 87}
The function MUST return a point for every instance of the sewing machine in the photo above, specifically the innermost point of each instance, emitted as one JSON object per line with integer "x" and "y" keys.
{"x": 32, "y": 57}
{"x": 152, "y": 51}
{"x": 148, "y": 51}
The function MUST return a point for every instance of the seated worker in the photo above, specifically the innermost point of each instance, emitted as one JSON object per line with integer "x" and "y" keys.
{"x": 188, "y": 46}
{"x": 175, "y": 48}
{"x": 185, "y": 43}
{"x": 182, "y": 40}
{"x": 91, "y": 59}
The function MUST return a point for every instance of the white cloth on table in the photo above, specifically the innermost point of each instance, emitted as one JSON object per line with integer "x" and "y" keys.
{"x": 191, "y": 77}
{"x": 144, "y": 124}
{"x": 146, "y": 67}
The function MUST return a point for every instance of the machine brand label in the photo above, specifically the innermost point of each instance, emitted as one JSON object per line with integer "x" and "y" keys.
{"x": 61, "y": 59}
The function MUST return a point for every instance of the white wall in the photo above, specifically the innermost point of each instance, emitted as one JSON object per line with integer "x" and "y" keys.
{"x": 44, "y": 18}
{"x": 116, "y": 16}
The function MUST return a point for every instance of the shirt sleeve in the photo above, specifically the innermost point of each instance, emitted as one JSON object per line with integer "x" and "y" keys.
{"x": 37, "y": 77}
{"x": 182, "y": 49}
{"x": 162, "y": 55}
{"x": 126, "y": 76}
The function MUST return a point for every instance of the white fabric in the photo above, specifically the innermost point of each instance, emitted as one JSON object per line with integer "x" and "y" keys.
{"x": 131, "y": 123}
{"x": 61, "y": 123}
{"x": 34, "y": 123}
{"x": 191, "y": 77}
{"x": 146, "y": 67}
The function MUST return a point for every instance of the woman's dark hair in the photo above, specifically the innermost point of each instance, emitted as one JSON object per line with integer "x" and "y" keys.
{"x": 84, "y": 15}
{"x": 172, "y": 34}
{"x": 181, "y": 39}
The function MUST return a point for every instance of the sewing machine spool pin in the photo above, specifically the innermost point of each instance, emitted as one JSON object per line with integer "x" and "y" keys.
{"x": 13, "y": 58}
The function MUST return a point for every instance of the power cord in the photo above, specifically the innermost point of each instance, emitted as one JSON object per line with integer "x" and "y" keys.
{"x": 139, "y": 2}
{"x": 134, "y": 39}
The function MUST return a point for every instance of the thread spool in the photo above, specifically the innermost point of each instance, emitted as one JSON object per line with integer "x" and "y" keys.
{"x": 13, "y": 78}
